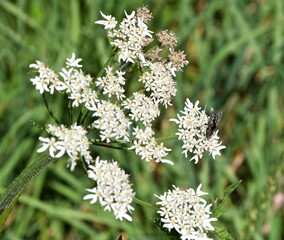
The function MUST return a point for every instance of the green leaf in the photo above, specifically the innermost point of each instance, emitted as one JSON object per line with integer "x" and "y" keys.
{"x": 222, "y": 233}
{"x": 218, "y": 208}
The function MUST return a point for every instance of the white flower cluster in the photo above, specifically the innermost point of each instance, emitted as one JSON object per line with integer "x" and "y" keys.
{"x": 72, "y": 141}
{"x": 113, "y": 189}
{"x": 112, "y": 122}
{"x": 75, "y": 83}
{"x": 192, "y": 126}
{"x": 130, "y": 37}
{"x": 186, "y": 212}
{"x": 47, "y": 80}
{"x": 146, "y": 146}
{"x": 142, "y": 108}
{"x": 159, "y": 81}
{"x": 115, "y": 117}
{"x": 112, "y": 84}
{"x": 78, "y": 84}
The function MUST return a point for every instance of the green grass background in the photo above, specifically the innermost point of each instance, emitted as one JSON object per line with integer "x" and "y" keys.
{"x": 235, "y": 51}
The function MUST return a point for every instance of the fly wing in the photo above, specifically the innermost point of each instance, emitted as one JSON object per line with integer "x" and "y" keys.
{"x": 218, "y": 117}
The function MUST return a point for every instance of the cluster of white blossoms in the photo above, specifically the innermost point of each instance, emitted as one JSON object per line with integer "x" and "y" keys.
{"x": 72, "y": 141}
{"x": 112, "y": 122}
{"x": 192, "y": 127}
{"x": 113, "y": 115}
{"x": 110, "y": 116}
{"x": 186, "y": 212}
{"x": 112, "y": 84}
{"x": 78, "y": 83}
{"x": 159, "y": 82}
{"x": 112, "y": 190}
{"x": 75, "y": 83}
{"x": 142, "y": 108}
{"x": 129, "y": 38}
{"x": 47, "y": 80}
{"x": 147, "y": 147}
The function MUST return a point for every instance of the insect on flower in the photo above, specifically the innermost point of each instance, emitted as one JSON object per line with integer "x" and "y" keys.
{"x": 213, "y": 121}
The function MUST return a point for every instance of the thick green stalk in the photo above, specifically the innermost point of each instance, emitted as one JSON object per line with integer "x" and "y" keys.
{"x": 10, "y": 195}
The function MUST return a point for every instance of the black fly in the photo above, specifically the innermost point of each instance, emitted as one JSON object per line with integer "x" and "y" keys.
{"x": 213, "y": 121}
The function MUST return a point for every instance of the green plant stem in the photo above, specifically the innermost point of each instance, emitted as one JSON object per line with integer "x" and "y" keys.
{"x": 48, "y": 109}
{"x": 13, "y": 191}
{"x": 145, "y": 204}
{"x": 105, "y": 65}
{"x": 108, "y": 145}
{"x": 166, "y": 139}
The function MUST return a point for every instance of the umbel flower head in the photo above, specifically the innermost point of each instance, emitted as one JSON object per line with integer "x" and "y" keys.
{"x": 186, "y": 212}
{"x": 113, "y": 115}
{"x": 192, "y": 128}
{"x": 112, "y": 122}
{"x": 131, "y": 36}
{"x": 113, "y": 189}
{"x": 72, "y": 141}
{"x": 74, "y": 82}
{"x": 147, "y": 147}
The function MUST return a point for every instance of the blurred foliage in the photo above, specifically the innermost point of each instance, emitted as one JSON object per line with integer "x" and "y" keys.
{"x": 235, "y": 50}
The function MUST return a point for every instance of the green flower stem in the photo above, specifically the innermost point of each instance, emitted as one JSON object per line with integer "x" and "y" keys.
{"x": 106, "y": 64}
{"x": 9, "y": 197}
{"x": 166, "y": 139}
{"x": 70, "y": 111}
{"x": 48, "y": 109}
{"x": 108, "y": 145}
{"x": 145, "y": 204}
